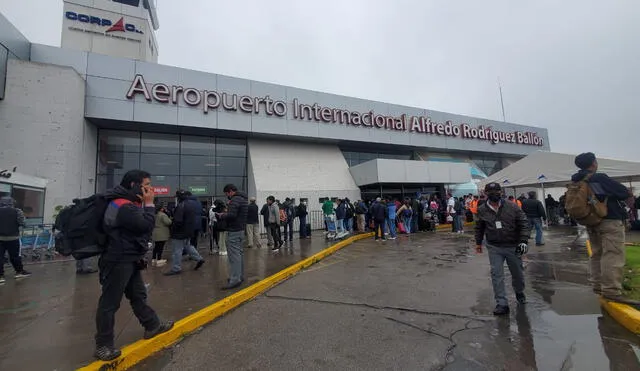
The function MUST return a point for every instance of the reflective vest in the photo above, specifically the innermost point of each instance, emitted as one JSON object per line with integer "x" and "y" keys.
{"x": 473, "y": 206}
{"x": 517, "y": 202}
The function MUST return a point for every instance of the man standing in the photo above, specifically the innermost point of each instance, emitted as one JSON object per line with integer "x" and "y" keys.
{"x": 265, "y": 219}
{"x": 534, "y": 211}
{"x": 302, "y": 215}
{"x": 552, "y": 209}
{"x": 451, "y": 211}
{"x": 361, "y": 211}
{"x": 236, "y": 218}
{"x": 253, "y": 224}
{"x": 185, "y": 218}
{"x": 341, "y": 214}
{"x": 291, "y": 214}
{"x": 273, "y": 221}
{"x": 128, "y": 223}
{"x": 378, "y": 214}
{"x": 390, "y": 218}
{"x": 507, "y": 233}
{"x": 607, "y": 236}
{"x": 11, "y": 219}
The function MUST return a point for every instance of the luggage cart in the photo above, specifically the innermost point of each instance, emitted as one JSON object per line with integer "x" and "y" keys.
{"x": 331, "y": 233}
{"x": 43, "y": 245}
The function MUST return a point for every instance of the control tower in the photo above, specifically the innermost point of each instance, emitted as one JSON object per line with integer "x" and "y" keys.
{"x": 121, "y": 28}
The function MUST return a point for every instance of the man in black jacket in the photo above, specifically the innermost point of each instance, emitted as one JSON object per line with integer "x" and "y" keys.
{"x": 11, "y": 219}
{"x": 507, "y": 231}
{"x": 128, "y": 223}
{"x": 534, "y": 211}
{"x": 236, "y": 218}
{"x": 607, "y": 238}
{"x": 186, "y": 220}
{"x": 379, "y": 214}
{"x": 264, "y": 211}
{"x": 253, "y": 224}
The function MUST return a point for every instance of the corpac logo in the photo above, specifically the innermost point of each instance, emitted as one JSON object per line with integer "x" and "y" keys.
{"x": 118, "y": 26}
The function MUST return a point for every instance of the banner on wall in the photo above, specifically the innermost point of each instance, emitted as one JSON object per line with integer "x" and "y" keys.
{"x": 160, "y": 190}
{"x": 198, "y": 190}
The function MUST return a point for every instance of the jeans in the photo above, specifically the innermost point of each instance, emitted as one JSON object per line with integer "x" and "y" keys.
{"x": 288, "y": 230}
{"x": 349, "y": 224}
{"x": 222, "y": 241}
{"x": 537, "y": 223}
{"x": 459, "y": 219}
{"x": 414, "y": 222}
{"x": 178, "y": 246}
{"x": 608, "y": 256}
{"x": 497, "y": 257}
{"x": 391, "y": 225}
{"x": 407, "y": 224}
{"x": 119, "y": 278}
{"x": 340, "y": 225}
{"x": 269, "y": 235}
{"x": 13, "y": 248}
{"x": 379, "y": 228}
{"x": 253, "y": 235}
{"x": 303, "y": 227}
{"x": 235, "y": 256}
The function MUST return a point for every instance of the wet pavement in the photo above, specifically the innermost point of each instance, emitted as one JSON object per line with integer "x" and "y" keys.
{"x": 47, "y": 320}
{"x": 417, "y": 303}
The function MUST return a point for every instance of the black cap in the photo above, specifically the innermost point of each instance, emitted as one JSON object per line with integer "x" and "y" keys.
{"x": 585, "y": 160}
{"x": 181, "y": 193}
{"x": 492, "y": 187}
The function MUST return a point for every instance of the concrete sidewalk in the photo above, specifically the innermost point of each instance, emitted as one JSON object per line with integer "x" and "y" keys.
{"x": 420, "y": 302}
{"x": 47, "y": 321}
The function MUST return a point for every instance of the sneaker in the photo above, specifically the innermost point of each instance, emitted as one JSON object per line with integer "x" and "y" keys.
{"x": 501, "y": 310}
{"x": 161, "y": 262}
{"x": 162, "y": 327}
{"x": 521, "y": 298}
{"x": 172, "y": 273}
{"x": 199, "y": 264}
{"x": 153, "y": 262}
{"x": 222, "y": 253}
{"x": 107, "y": 353}
{"x": 392, "y": 238}
{"x": 23, "y": 274}
{"x": 2, "y": 280}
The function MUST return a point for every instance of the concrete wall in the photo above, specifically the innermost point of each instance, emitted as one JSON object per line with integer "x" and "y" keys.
{"x": 295, "y": 170}
{"x": 44, "y": 133}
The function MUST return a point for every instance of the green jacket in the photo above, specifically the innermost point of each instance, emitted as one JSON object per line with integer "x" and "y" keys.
{"x": 161, "y": 231}
{"x": 327, "y": 207}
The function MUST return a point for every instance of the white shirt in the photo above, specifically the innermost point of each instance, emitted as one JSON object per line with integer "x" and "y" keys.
{"x": 451, "y": 205}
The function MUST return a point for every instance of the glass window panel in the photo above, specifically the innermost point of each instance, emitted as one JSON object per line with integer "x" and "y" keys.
{"x": 201, "y": 146}
{"x": 197, "y": 165}
{"x": 29, "y": 200}
{"x": 198, "y": 185}
{"x": 159, "y": 163}
{"x": 222, "y": 181}
{"x": 160, "y": 143}
{"x": 117, "y": 162}
{"x": 116, "y": 140}
{"x": 231, "y": 147}
{"x": 231, "y": 166}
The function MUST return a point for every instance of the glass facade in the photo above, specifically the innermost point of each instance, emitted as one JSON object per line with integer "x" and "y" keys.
{"x": 202, "y": 165}
{"x": 28, "y": 199}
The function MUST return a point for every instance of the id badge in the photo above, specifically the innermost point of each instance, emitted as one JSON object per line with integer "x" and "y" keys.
{"x": 498, "y": 224}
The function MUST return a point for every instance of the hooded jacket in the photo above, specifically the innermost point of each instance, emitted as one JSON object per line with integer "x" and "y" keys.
{"x": 603, "y": 187}
{"x": 236, "y": 215}
{"x": 341, "y": 211}
{"x": 252, "y": 213}
{"x": 379, "y": 211}
{"x": 128, "y": 226}
{"x": 11, "y": 219}
{"x": 186, "y": 219}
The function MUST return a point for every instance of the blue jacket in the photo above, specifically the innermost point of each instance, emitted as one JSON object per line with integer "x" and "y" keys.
{"x": 196, "y": 207}
{"x": 391, "y": 208}
{"x": 341, "y": 211}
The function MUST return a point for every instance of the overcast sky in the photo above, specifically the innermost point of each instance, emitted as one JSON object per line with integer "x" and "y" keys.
{"x": 572, "y": 66}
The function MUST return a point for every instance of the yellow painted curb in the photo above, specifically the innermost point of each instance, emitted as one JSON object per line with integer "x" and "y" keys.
{"x": 626, "y": 315}
{"x": 142, "y": 349}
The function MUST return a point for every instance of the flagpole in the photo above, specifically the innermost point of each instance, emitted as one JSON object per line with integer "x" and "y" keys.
{"x": 501, "y": 100}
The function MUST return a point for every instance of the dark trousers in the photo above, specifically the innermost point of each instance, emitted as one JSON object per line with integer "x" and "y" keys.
{"x": 116, "y": 279}
{"x": 379, "y": 228}
{"x": 158, "y": 248}
{"x": 274, "y": 229}
{"x": 13, "y": 248}
{"x": 194, "y": 239}
{"x": 288, "y": 230}
{"x": 303, "y": 227}
{"x": 213, "y": 239}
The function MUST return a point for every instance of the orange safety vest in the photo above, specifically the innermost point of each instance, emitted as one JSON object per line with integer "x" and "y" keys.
{"x": 473, "y": 206}
{"x": 517, "y": 202}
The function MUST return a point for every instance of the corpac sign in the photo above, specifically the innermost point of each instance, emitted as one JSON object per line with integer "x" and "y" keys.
{"x": 119, "y": 25}
{"x": 211, "y": 100}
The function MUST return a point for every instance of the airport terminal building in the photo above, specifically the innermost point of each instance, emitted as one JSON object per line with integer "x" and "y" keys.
{"x": 74, "y": 119}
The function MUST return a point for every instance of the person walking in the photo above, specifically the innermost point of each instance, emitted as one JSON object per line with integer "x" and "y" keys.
{"x": 236, "y": 218}
{"x": 507, "y": 231}
{"x": 379, "y": 214}
{"x": 535, "y": 212}
{"x": 607, "y": 235}
{"x": 186, "y": 219}
{"x": 253, "y": 224}
{"x": 160, "y": 236}
{"x": 273, "y": 220}
{"x": 128, "y": 223}
{"x": 390, "y": 219}
{"x": 302, "y": 216}
{"x": 264, "y": 211}
{"x": 11, "y": 219}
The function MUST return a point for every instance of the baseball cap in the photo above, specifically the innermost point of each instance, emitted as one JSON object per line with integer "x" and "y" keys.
{"x": 492, "y": 187}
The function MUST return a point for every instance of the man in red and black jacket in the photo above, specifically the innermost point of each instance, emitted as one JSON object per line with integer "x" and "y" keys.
{"x": 128, "y": 223}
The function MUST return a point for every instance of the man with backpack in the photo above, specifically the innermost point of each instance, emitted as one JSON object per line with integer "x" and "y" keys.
{"x": 594, "y": 200}
{"x": 290, "y": 213}
{"x": 186, "y": 220}
{"x": 302, "y": 213}
{"x": 128, "y": 222}
{"x": 11, "y": 219}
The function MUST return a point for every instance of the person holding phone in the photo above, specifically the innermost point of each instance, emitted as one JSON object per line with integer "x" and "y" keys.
{"x": 128, "y": 223}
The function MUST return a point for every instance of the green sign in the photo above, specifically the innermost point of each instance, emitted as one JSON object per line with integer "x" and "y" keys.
{"x": 198, "y": 190}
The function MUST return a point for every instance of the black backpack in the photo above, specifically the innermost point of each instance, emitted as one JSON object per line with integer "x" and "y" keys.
{"x": 80, "y": 228}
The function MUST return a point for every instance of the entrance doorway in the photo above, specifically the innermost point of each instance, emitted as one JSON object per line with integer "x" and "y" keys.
{"x": 400, "y": 191}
